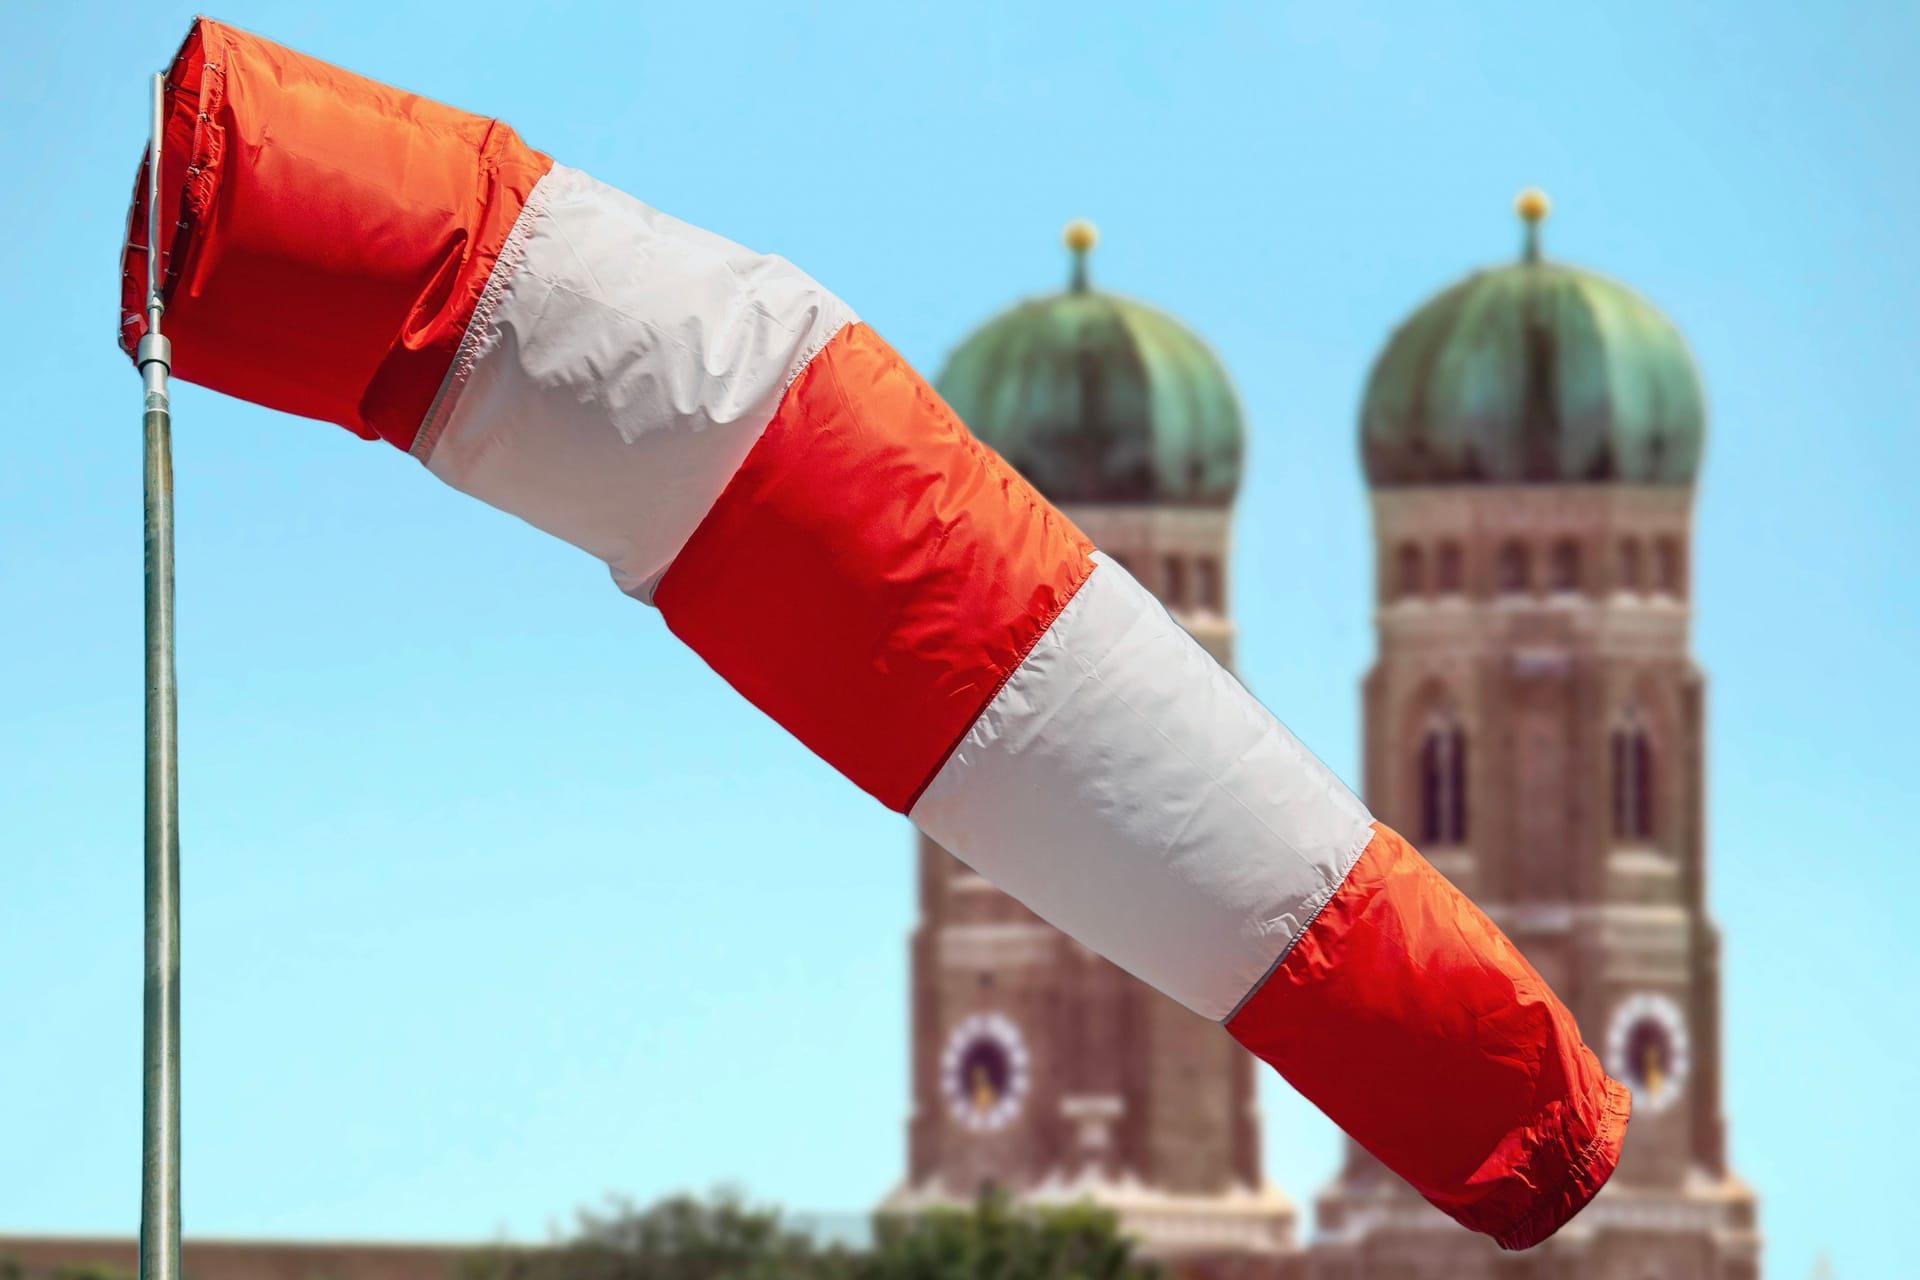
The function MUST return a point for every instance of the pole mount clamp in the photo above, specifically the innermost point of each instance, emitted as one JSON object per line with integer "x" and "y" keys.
{"x": 154, "y": 347}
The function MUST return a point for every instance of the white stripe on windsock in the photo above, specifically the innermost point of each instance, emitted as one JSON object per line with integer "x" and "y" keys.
{"x": 1131, "y": 792}
{"x": 619, "y": 367}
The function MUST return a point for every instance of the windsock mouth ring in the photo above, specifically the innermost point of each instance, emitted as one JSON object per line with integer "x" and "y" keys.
{"x": 324, "y": 238}
{"x": 189, "y": 177}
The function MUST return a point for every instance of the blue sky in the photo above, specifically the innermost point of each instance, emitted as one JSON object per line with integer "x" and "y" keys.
{"x": 497, "y": 900}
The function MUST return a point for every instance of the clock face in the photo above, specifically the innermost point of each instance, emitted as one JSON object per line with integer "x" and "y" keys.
{"x": 1647, "y": 1048}
{"x": 984, "y": 1072}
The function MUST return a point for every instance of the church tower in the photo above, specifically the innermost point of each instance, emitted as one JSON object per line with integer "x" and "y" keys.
{"x": 1039, "y": 1067}
{"x": 1534, "y": 721}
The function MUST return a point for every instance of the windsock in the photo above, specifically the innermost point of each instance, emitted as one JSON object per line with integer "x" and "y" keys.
{"x": 806, "y": 513}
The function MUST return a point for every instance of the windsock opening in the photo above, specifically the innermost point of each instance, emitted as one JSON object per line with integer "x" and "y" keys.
{"x": 324, "y": 238}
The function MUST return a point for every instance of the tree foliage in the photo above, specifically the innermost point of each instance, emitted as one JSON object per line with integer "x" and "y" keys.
{"x": 11, "y": 1269}
{"x": 724, "y": 1238}
{"x": 681, "y": 1238}
{"x": 997, "y": 1240}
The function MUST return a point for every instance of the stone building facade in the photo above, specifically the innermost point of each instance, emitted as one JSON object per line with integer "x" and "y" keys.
{"x": 1535, "y": 721}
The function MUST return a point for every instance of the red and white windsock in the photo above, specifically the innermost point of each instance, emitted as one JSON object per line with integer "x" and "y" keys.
{"x": 807, "y": 514}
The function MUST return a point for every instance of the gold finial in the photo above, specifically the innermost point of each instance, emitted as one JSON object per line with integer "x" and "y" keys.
{"x": 1533, "y": 207}
{"x": 1080, "y": 237}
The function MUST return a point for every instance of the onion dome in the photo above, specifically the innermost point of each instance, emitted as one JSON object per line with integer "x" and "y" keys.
{"x": 1530, "y": 373}
{"x": 1100, "y": 399}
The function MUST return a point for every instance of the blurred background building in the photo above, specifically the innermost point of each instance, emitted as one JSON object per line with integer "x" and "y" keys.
{"x": 1037, "y": 1065}
{"x": 1534, "y": 721}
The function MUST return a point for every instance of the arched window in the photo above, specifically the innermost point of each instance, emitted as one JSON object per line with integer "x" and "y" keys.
{"x": 1516, "y": 569}
{"x": 1206, "y": 583}
{"x": 1443, "y": 781}
{"x": 1564, "y": 568}
{"x": 1174, "y": 570}
{"x": 1666, "y": 567}
{"x": 1632, "y": 779}
{"x": 1629, "y": 565}
{"x": 1413, "y": 569}
{"x": 1451, "y": 573}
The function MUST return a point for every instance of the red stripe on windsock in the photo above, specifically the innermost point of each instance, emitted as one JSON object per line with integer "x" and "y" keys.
{"x": 340, "y": 297}
{"x": 872, "y": 574}
{"x": 1407, "y": 1016}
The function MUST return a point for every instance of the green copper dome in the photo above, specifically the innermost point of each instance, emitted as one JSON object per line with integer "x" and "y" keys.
{"x": 1099, "y": 399}
{"x": 1533, "y": 372}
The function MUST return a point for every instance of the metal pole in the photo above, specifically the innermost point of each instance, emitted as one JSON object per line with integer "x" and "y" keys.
{"x": 160, "y": 1075}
